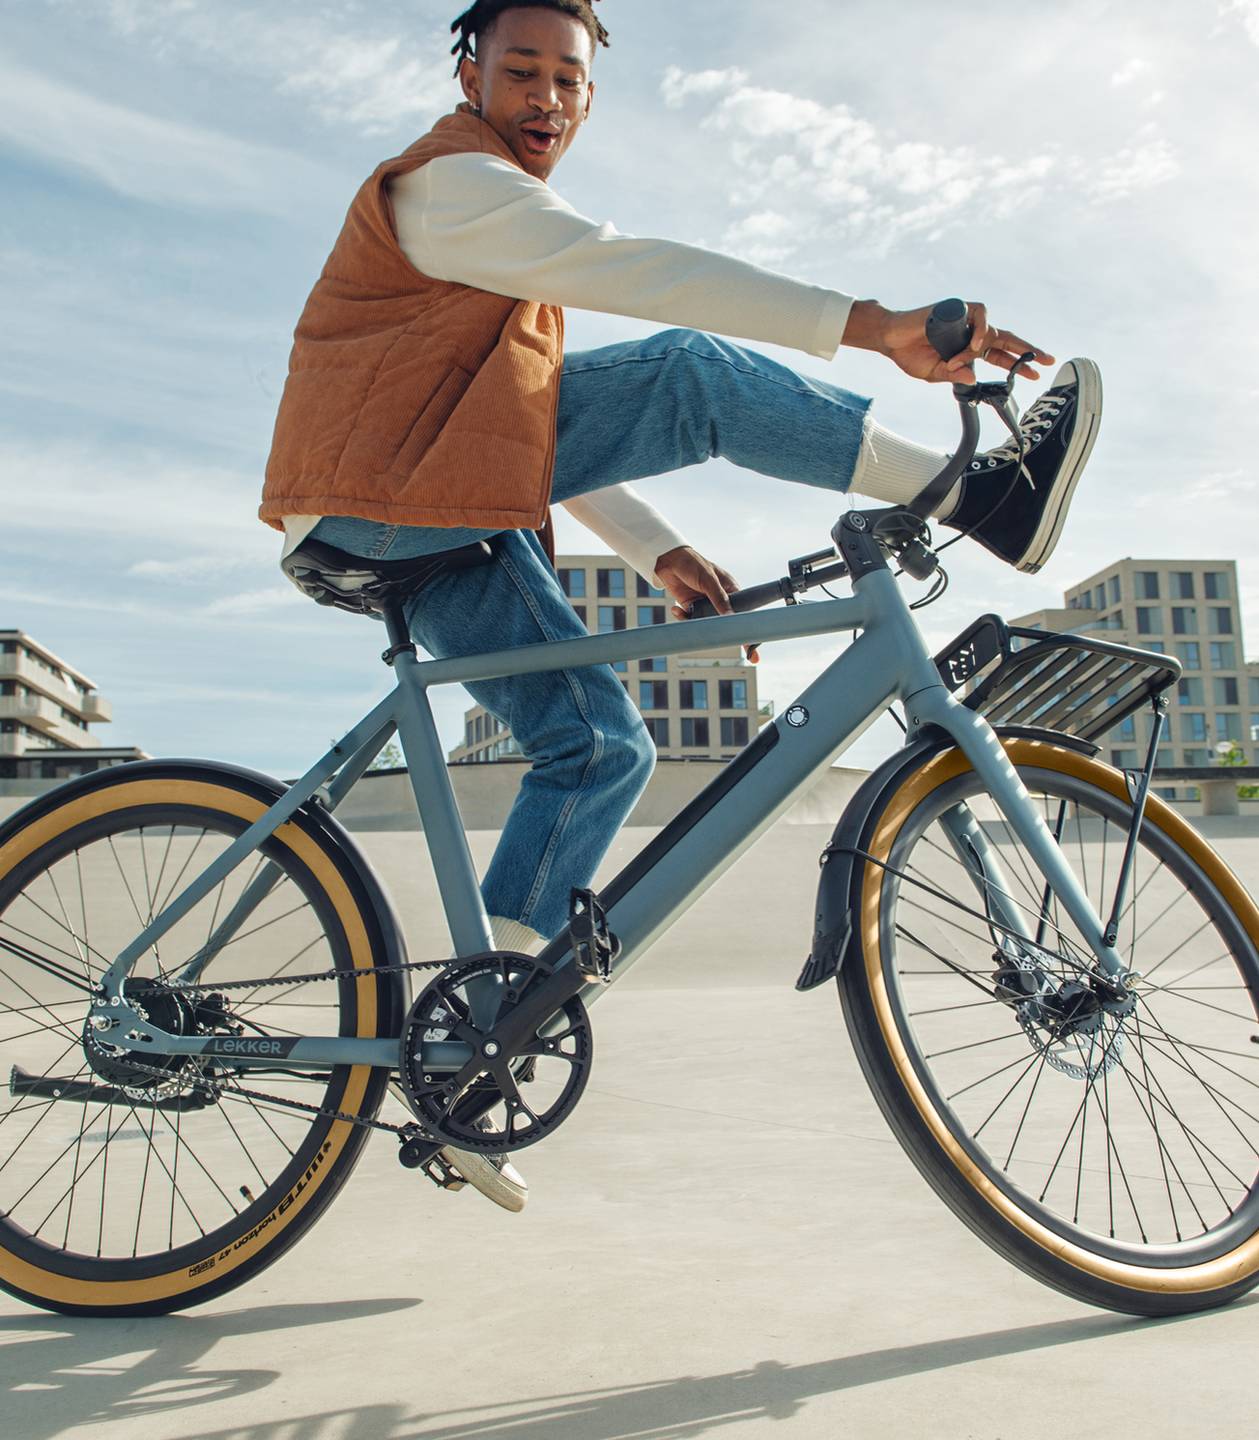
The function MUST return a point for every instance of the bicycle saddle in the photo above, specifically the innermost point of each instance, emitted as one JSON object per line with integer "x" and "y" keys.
{"x": 363, "y": 586}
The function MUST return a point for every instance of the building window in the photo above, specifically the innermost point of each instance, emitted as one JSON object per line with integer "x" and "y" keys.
{"x": 1114, "y": 590}
{"x": 1182, "y": 585}
{"x": 1196, "y": 757}
{"x": 1127, "y": 730}
{"x": 1184, "y": 620}
{"x": 659, "y": 666}
{"x": 658, "y": 729}
{"x": 653, "y": 694}
{"x": 1215, "y": 585}
{"x": 1189, "y": 691}
{"x": 1223, "y": 655}
{"x": 1254, "y": 727}
{"x": 581, "y": 613}
{"x": 1228, "y": 726}
{"x": 1156, "y": 645}
{"x": 1124, "y": 759}
{"x": 478, "y": 729}
{"x": 1226, "y": 690}
{"x": 1193, "y": 727}
{"x": 1146, "y": 583}
{"x": 573, "y": 582}
{"x": 1254, "y": 689}
{"x": 694, "y": 732}
{"x": 733, "y": 694}
{"x": 1099, "y": 597}
{"x": 646, "y": 591}
{"x": 734, "y": 730}
{"x": 1149, "y": 620}
{"x": 651, "y": 614}
{"x": 621, "y": 666}
{"x": 693, "y": 695}
{"x": 611, "y": 617}
{"x": 611, "y": 583}
{"x": 1189, "y": 653}
{"x": 1221, "y": 620}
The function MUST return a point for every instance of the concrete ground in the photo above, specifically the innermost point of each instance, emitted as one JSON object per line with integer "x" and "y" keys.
{"x": 706, "y": 1252}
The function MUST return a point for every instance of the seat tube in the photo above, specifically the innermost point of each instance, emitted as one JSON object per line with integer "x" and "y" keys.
{"x": 443, "y": 826}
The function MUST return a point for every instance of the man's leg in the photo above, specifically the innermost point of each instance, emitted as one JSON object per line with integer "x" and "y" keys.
{"x": 678, "y": 398}
{"x": 681, "y": 397}
{"x": 590, "y": 754}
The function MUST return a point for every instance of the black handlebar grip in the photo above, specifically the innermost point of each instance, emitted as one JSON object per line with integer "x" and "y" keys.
{"x": 948, "y": 329}
{"x": 750, "y": 599}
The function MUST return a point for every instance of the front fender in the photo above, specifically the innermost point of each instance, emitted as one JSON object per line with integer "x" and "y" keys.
{"x": 832, "y": 925}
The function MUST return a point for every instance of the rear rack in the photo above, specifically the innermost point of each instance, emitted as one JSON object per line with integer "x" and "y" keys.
{"x": 1069, "y": 683}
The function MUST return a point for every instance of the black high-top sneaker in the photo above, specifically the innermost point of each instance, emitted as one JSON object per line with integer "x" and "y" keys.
{"x": 1059, "y": 427}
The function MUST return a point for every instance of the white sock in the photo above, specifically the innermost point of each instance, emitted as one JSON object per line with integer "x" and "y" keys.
{"x": 512, "y": 935}
{"x": 894, "y": 469}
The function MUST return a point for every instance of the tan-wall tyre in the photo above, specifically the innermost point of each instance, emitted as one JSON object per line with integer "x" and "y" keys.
{"x": 1108, "y": 1147}
{"x": 122, "y": 1193}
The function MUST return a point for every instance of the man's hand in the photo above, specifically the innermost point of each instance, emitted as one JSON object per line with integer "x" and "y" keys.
{"x": 901, "y": 335}
{"x": 687, "y": 576}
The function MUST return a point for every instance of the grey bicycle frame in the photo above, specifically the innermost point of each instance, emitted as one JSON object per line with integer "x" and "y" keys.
{"x": 887, "y": 661}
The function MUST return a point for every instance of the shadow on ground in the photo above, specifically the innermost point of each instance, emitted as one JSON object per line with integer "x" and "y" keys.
{"x": 65, "y": 1371}
{"x": 122, "y": 1371}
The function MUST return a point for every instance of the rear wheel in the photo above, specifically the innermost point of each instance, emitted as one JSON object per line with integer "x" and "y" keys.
{"x": 1108, "y": 1147}
{"x": 123, "y": 1191}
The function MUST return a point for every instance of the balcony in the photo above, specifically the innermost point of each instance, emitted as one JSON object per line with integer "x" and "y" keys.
{"x": 94, "y": 708}
{"x": 25, "y": 670}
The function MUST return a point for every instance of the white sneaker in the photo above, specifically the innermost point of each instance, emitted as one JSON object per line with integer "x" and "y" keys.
{"x": 493, "y": 1175}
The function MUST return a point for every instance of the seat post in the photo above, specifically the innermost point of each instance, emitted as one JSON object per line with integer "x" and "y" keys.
{"x": 396, "y": 626}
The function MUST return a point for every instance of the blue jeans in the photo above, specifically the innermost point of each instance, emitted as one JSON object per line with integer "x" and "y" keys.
{"x": 626, "y": 412}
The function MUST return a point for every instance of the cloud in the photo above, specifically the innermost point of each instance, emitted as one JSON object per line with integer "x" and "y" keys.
{"x": 376, "y": 73}
{"x": 150, "y": 157}
{"x": 1128, "y": 72}
{"x": 71, "y": 490}
{"x": 1247, "y": 11}
{"x": 257, "y": 602}
{"x": 842, "y": 178}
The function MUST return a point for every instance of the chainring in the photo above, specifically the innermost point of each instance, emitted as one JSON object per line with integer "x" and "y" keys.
{"x": 482, "y": 1106}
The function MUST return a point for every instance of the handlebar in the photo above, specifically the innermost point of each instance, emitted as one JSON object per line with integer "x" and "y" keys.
{"x": 949, "y": 332}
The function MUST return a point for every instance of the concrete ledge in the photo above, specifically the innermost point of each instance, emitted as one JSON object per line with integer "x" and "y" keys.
{"x": 486, "y": 793}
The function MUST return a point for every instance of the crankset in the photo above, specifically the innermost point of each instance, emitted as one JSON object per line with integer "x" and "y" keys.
{"x": 528, "y": 1067}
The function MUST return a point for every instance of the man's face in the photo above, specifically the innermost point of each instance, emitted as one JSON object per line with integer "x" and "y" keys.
{"x": 532, "y": 81}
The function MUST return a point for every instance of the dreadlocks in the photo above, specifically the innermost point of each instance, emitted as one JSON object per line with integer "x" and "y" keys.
{"x": 479, "y": 16}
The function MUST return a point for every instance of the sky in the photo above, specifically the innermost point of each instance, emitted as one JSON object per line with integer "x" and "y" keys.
{"x": 174, "y": 173}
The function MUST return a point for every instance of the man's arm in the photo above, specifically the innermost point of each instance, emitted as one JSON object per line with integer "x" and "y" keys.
{"x": 622, "y": 519}
{"x": 476, "y": 220}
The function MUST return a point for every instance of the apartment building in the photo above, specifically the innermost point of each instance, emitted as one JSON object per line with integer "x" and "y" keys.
{"x": 1189, "y": 609}
{"x": 46, "y": 707}
{"x": 702, "y": 706}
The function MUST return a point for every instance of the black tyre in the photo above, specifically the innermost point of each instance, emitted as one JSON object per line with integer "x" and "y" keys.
{"x": 1113, "y": 1153}
{"x": 122, "y": 1192}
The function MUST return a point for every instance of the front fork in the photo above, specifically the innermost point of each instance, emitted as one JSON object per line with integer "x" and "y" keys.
{"x": 981, "y": 746}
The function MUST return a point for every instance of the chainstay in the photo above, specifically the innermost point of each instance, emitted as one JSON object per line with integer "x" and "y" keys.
{"x": 207, "y": 1086}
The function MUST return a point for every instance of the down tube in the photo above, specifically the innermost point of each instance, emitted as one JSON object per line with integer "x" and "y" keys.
{"x": 680, "y": 864}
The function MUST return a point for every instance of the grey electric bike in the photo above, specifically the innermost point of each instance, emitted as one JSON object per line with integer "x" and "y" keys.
{"x": 1051, "y": 980}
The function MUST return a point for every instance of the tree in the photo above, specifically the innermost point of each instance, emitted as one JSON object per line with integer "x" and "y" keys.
{"x": 390, "y": 758}
{"x": 1229, "y": 753}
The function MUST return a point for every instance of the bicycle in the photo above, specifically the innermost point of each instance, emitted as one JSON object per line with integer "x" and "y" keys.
{"x": 208, "y": 992}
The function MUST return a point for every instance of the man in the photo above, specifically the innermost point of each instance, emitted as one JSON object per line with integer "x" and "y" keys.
{"x": 429, "y": 404}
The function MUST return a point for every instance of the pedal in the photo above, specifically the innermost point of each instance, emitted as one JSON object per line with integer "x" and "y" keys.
{"x": 442, "y": 1173}
{"x": 594, "y": 945}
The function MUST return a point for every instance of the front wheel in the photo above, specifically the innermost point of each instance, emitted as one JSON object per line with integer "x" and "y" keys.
{"x": 1109, "y": 1147}
{"x": 135, "y": 1189}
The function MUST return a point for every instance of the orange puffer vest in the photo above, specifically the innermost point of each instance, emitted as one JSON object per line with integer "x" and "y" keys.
{"x": 412, "y": 400}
